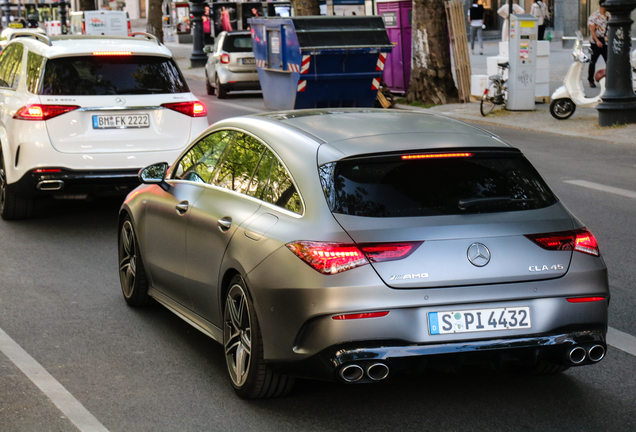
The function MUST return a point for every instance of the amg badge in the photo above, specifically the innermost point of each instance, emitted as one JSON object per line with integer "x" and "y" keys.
{"x": 409, "y": 276}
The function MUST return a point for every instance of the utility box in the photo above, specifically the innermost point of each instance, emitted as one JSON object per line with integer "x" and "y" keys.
{"x": 397, "y": 20}
{"x": 319, "y": 62}
{"x": 523, "y": 62}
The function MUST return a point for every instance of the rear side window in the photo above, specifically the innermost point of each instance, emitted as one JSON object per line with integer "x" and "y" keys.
{"x": 105, "y": 75}
{"x": 199, "y": 163}
{"x": 35, "y": 66}
{"x": 11, "y": 66}
{"x": 390, "y": 186}
{"x": 237, "y": 43}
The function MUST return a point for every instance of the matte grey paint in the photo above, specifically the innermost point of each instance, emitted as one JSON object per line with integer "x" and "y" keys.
{"x": 295, "y": 303}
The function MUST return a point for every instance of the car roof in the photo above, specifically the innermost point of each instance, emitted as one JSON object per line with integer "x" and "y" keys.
{"x": 363, "y": 131}
{"x": 73, "y": 45}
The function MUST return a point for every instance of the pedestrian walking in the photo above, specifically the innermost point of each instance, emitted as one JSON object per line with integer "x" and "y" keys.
{"x": 503, "y": 12}
{"x": 540, "y": 11}
{"x": 476, "y": 20}
{"x": 598, "y": 39}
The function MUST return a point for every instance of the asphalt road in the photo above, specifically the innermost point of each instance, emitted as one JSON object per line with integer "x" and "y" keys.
{"x": 146, "y": 370}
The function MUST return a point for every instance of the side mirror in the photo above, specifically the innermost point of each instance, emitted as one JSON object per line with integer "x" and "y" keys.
{"x": 154, "y": 174}
{"x": 207, "y": 49}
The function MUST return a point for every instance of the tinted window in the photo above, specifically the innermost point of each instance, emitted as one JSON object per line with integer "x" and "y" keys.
{"x": 103, "y": 75}
{"x": 199, "y": 162}
{"x": 281, "y": 190}
{"x": 11, "y": 66}
{"x": 391, "y": 187}
{"x": 238, "y": 167}
{"x": 237, "y": 43}
{"x": 35, "y": 66}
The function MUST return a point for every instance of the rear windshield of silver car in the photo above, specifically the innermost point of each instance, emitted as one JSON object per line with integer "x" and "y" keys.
{"x": 237, "y": 43}
{"x": 111, "y": 75}
{"x": 432, "y": 184}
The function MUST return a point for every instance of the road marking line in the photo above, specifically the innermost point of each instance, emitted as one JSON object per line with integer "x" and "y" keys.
{"x": 622, "y": 341}
{"x": 65, "y": 402}
{"x": 231, "y": 105}
{"x": 603, "y": 188}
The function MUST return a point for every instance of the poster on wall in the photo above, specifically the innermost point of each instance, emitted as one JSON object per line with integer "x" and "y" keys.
{"x": 224, "y": 17}
{"x": 250, "y": 10}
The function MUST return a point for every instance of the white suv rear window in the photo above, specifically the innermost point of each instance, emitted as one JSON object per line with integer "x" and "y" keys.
{"x": 103, "y": 75}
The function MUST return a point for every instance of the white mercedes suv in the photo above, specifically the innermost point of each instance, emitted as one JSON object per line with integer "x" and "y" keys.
{"x": 80, "y": 115}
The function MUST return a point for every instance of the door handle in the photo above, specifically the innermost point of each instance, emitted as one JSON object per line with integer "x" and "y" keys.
{"x": 224, "y": 224}
{"x": 182, "y": 207}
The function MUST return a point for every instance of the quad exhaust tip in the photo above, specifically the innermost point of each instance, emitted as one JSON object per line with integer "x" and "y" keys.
{"x": 576, "y": 355}
{"x": 351, "y": 373}
{"x": 378, "y": 371}
{"x": 596, "y": 353}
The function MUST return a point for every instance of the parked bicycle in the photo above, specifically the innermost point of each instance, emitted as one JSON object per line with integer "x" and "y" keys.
{"x": 496, "y": 92}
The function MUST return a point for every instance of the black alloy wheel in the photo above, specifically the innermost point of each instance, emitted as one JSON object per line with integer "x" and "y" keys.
{"x": 243, "y": 345}
{"x": 12, "y": 206}
{"x": 208, "y": 87}
{"x": 221, "y": 91}
{"x": 132, "y": 275}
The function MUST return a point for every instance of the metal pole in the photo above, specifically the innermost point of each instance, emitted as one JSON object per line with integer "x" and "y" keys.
{"x": 6, "y": 13}
{"x": 62, "y": 11}
{"x": 619, "y": 102}
{"x": 198, "y": 57}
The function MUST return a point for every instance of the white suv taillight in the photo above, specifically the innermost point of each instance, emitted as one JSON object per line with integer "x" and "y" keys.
{"x": 192, "y": 109}
{"x": 332, "y": 258}
{"x": 42, "y": 112}
{"x": 225, "y": 58}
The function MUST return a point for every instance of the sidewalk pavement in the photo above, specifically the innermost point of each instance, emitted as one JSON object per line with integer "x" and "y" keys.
{"x": 584, "y": 122}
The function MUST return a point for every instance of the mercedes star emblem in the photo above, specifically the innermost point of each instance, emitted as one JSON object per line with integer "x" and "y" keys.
{"x": 478, "y": 254}
{"x": 120, "y": 101}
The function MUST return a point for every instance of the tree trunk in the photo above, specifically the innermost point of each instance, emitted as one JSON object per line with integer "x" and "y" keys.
{"x": 306, "y": 7}
{"x": 87, "y": 5}
{"x": 431, "y": 76}
{"x": 154, "y": 25}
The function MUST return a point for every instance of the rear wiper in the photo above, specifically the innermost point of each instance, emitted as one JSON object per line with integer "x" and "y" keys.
{"x": 474, "y": 202}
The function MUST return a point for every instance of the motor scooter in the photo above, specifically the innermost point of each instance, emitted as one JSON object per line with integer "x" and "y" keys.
{"x": 566, "y": 98}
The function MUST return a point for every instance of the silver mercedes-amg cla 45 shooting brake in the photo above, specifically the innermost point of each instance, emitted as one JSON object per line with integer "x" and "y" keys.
{"x": 354, "y": 244}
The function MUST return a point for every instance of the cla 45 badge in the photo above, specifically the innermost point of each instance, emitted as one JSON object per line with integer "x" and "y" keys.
{"x": 545, "y": 268}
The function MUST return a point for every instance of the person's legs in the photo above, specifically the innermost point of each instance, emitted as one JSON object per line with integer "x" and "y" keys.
{"x": 541, "y": 32}
{"x": 481, "y": 40}
{"x": 472, "y": 38}
{"x": 596, "y": 52}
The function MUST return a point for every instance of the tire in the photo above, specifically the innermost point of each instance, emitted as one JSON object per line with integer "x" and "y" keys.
{"x": 541, "y": 368}
{"x": 562, "y": 109}
{"x": 132, "y": 274}
{"x": 221, "y": 91}
{"x": 208, "y": 86}
{"x": 243, "y": 345}
{"x": 12, "y": 206}
{"x": 487, "y": 100}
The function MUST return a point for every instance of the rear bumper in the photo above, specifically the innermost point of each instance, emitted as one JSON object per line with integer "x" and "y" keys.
{"x": 553, "y": 348}
{"x": 76, "y": 183}
{"x": 243, "y": 85}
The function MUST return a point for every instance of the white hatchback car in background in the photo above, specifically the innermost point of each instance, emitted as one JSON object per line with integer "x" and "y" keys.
{"x": 231, "y": 64}
{"x": 80, "y": 115}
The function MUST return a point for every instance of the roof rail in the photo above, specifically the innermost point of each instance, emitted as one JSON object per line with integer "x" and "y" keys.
{"x": 37, "y": 36}
{"x": 148, "y": 35}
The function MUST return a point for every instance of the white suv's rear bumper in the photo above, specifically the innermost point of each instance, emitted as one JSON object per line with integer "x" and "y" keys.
{"x": 32, "y": 150}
